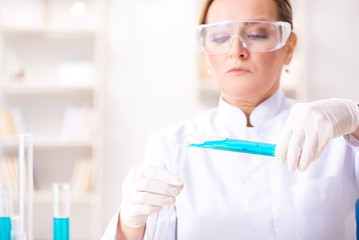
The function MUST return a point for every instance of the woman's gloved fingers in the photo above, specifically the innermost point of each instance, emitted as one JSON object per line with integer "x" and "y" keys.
{"x": 152, "y": 199}
{"x": 127, "y": 186}
{"x": 294, "y": 150}
{"x": 145, "y": 191}
{"x": 325, "y": 120}
{"x": 282, "y": 146}
{"x": 322, "y": 143}
{"x": 156, "y": 186}
{"x": 135, "y": 215}
{"x": 142, "y": 210}
{"x": 162, "y": 176}
{"x": 308, "y": 151}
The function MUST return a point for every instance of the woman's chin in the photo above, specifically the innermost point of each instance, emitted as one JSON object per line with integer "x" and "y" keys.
{"x": 246, "y": 90}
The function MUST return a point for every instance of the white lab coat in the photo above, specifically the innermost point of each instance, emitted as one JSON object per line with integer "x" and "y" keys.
{"x": 230, "y": 195}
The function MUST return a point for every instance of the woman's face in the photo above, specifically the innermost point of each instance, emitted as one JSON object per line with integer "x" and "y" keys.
{"x": 244, "y": 76}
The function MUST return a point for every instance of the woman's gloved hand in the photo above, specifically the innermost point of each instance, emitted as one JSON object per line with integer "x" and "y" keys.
{"x": 310, "y": 127}
{"x": 145, "y": 191}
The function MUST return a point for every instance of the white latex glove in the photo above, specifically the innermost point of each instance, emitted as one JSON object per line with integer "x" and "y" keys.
{"x": 145, "y": 191}
{"x": 311, "y": 126}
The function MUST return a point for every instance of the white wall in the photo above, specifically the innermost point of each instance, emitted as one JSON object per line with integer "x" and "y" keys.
{"x": 152, "y": 75}
{"x": 333, "y": 50}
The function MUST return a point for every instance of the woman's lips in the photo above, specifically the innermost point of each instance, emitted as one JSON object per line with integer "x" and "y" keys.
{"x": 239, "y": 70}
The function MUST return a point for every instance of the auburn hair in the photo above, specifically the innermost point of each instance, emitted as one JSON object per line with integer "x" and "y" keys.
{"x": 284, "y": 9}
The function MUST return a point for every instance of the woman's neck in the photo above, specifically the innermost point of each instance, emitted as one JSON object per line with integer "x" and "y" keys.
{"x": 247, "y": 107}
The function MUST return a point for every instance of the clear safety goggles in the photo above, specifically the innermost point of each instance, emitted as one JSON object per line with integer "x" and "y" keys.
{"x": 255, "y": 36}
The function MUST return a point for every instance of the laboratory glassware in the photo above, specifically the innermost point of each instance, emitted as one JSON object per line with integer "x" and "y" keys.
{"x": 6, "y": 210}
{"x": 16, "y": 232}
{"x": 234, "y": 145}
{"x": 26, "y": 167}
{"x": 61, "y": 211}
{"x": 164, "y": 216}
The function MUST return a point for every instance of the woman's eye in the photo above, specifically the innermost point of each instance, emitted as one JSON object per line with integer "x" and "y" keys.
{"x": 220, "y": 39}
{"x": 257, "y": 36}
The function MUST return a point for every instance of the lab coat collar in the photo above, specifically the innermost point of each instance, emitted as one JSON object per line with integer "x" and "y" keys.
{"x": 234, "y": 117}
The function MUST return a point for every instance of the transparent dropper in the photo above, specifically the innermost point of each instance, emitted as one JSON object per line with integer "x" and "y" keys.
{"x": 61, "y": 204}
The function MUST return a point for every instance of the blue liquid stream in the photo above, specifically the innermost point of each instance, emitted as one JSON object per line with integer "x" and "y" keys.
{"x": 61, "y": 229}
{"x": 5, "y": 228}
{"x": 235, "y": 145}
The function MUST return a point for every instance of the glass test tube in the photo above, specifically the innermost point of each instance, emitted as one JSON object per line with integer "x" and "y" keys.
{"x": 6, "y": 211}
{"x": 61, "y": 216}
{"x": 26, "y": 166}
{"x": 234, "y": 145}
{"x": 164, "y": 216}
{"x": 16, "y": 232}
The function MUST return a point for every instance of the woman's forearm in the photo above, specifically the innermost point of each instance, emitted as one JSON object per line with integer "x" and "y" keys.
{"x": 125, "y": 232}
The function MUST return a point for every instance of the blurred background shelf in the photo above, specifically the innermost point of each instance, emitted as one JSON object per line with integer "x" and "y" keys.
{"x": 50, "y": 141}
{"x": 45, "y": 88}
{"x": 51, "y": 85}
{"x": 45, "y": 29}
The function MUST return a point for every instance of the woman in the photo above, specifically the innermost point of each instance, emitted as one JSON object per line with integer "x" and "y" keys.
{"x": 241, "y": 196}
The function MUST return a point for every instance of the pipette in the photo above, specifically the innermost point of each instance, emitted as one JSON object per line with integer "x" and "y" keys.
{"x": 233, "y": 145}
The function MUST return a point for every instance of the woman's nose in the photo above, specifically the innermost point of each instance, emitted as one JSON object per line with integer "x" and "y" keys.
{"x": 238, "y": 48}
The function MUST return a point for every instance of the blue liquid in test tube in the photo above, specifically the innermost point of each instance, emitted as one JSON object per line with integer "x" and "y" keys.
{"x": 61, "y": 219}
{"x": 6, "y": 210}
{"x": 235, "y": 145}
{"x": 61, "y": 229}
{"x": 5, "y": 228}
